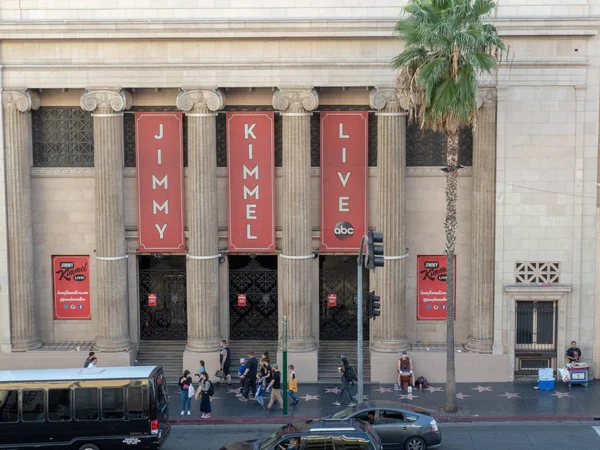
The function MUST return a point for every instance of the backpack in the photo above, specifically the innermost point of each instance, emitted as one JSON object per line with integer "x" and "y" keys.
{"x": 422, "y": 382}
{"x": 352, "y": 377}
{"x": 211, "y": 390}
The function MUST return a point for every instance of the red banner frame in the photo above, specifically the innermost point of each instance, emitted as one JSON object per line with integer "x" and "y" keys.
{"x": 344, "y": 180}
{"x": 251, "y": 170}
{"x": 71, "y": 287}
{"x": 431, "y": 290}
{"x": 160, "y": 179}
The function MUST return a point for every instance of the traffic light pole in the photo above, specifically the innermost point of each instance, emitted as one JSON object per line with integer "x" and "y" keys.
{"x": 359, "y": 316}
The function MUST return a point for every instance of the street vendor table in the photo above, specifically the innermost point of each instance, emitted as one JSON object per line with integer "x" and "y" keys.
{"x": 579, "y": 374}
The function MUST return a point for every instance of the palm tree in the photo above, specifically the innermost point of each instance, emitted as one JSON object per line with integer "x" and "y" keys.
{"x": 447, "y": 46}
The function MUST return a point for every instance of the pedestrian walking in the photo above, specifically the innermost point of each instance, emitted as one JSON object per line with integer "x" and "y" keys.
{"x": 185, "y": 381}
{"x": 241, "y": 371}
{"x": 275, "y": 385}
{"x": 293, "y": 386}
{"x": 93, "y": 363}
{"x": 249, "y": 377}
{"x": 206, "y": 391}
{"x": 201, "y": 370}
{"x": 348, "y": 377}
{"x": 225, "y": 363}
{"x": 88, "y": 360}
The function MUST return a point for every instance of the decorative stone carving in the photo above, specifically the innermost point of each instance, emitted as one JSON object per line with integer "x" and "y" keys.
{"x": 105, "y": 101}
{"x": 296, "y": 100}
{"x": 486, "y": 96}
{"x": 23, "y": 101}
{"x": 200, "y": 100}
{"x": 389, "y": 98}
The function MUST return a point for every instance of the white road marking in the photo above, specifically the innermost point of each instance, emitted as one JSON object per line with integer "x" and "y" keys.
{"x": 597, "y": 430}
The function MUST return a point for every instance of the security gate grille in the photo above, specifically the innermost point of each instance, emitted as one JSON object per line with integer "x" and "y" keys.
{"x": 536, "y": 327}
{"x": 257, "y": 278}
{"x": 166, "y": 278}
{"x": 338, "y": 276}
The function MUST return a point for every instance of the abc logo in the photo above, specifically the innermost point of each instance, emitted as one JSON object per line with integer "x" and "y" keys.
{"x": 343, "y": 231}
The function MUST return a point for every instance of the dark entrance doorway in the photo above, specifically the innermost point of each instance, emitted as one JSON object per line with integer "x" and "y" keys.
{"x": 164, "y": 277}
{"x": 255, "y": 276}
{"x": 337, "y": 275}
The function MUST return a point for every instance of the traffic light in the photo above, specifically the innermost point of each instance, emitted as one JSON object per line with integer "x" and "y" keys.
{"x": 373, "y": 305}
{"x": 375, "y": 250}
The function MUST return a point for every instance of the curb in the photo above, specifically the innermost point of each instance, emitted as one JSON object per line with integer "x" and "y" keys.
{"x": 441, "y": 419}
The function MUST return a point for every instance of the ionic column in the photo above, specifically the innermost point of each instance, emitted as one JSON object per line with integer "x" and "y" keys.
{"x": 203, "y": 306}
{"x": 107, "y": 108}
{"x": 483, "y": 211}
{"x": 388, "y": 329}
{"x": 295, "y": 275}
{"x": 18, "y": 148}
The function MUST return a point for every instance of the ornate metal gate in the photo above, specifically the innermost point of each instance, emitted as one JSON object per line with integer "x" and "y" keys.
{"x": 164, "y": 277}
{"x": 257, "y": 278}
{"x": 338, "y": 276}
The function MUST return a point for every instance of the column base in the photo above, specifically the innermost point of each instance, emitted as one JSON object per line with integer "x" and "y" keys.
{"x": 191, "y": 362}
{"x": 195, "y": 345}
{"x": 306, "y": 364}
{"x": 390, "y": 345}
{"x": 26, "y": 345}
{"x": 112, "y": 345}
{"x": 479, "y": 345}
{"x": 301, "y": 345}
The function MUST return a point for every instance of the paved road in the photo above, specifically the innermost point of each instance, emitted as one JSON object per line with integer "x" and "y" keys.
{"x": 480, "y": 436}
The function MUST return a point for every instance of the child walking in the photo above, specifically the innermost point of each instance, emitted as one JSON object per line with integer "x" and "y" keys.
{"x": 293, "y": 386}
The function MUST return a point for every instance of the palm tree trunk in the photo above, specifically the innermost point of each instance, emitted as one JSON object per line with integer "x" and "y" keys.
{"x": 450, "y": 226}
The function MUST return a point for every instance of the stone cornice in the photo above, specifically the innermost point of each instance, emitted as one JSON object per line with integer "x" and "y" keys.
{"x": 334, "y": 27}
{"x": 315, "y": 172}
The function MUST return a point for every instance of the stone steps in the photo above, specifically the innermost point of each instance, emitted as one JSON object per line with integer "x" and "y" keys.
{"x": 168, "y": 354}
{"x": 329, "y": 359}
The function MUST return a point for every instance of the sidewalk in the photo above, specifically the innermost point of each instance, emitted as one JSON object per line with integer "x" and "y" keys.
{"x": 476, "y": 401}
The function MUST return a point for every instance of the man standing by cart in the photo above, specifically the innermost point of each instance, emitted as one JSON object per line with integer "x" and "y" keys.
{"x": 573, "y": 353}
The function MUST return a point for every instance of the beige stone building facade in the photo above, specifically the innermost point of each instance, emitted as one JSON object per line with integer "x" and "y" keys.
{"x": 72, "y": 79}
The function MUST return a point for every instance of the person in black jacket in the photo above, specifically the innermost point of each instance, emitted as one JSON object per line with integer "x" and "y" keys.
{"x": 225, "y": 362}
{"x": 249, "y": 377}
{"x": 185, "y": 381}
{"x": 347, "y": 376}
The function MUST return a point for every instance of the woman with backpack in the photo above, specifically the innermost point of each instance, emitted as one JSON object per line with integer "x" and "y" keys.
{"x": 348, "y": 375}
{"x": 206, "y": 391}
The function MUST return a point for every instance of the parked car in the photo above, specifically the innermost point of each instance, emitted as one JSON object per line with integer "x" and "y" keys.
{"x": 316, "y": 435}
{"x": 399, "y": 426}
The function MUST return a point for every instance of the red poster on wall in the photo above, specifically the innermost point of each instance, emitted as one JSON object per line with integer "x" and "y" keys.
{"x": 151, "y": 299}
{"x": 241, "y": 299}
{"x": 431, "y": 287}
{"x": 344, "y": 177}
{"x": 71, "y": 276}
{"x": 331, "y": 300}
{"x": 159, "y": 156}
{"x": 251, "y": 165}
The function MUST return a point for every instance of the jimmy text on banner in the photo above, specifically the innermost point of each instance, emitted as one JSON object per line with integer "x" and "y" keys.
{"x": 431, "y": 287}
{"x": 251, "y": 170}
{"x": 159, "y": 153}
{"x": 344, "y": 178}
{"x": 71, "y": 276}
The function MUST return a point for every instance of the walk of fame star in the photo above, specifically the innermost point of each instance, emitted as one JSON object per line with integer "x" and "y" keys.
{"x": 332, "y": 391}
{"x": 561, "y": 394}
{"x": 233, "y": 391}
{"x": 483, "y": 388}
{"x": 509, "y": 395}
{"x": 461, "y": 396}
{"x": 308, "y": 397}
{"x": 383, "y": 390}
{"x": 408, "y": 396}
{"x": 434, "y": 389}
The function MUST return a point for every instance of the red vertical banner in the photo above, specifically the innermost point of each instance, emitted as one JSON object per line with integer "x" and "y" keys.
{"x": 344, "y": 179}
{"x": 241, "y": 299}
{"x": 431, "y": 287}
{"x": 331, "y": 300}
{"x": 159, "y": 157}
{"x": 151, "y": 299}
{"x": 251, "y": 166}
{"x": 71, "y": 276}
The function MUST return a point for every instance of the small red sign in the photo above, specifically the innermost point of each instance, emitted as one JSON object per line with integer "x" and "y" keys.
{"x": 331, "y": 300}
{"x": 241, "y": 299}
{"x": 71, "y": 287}
{"x": 151, "y": 299}
{"x": 431, "y": 287}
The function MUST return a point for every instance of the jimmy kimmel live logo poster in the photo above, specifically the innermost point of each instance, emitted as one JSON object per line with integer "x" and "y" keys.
{"x": 159, "y": 153}
{"x": 431, "y": 287}
{"x": 251, "y": 166}
{"x": 344, "y": 177}
{"x": 71, "y": 275}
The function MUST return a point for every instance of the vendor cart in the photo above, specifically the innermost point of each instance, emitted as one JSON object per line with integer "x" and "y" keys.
{"x": 579, "y": 373}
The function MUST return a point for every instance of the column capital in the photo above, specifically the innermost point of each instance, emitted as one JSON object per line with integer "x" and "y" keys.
{"x": 486, "y": 97}
{"x": 200, "y": 101}
{"x": 105, "y": 101}
{"x": 296, "y": 99}
{"x": 388, "y": 98}
{"x": 23, "y": 101}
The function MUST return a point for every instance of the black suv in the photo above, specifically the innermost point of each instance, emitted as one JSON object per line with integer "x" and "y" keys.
{"x": 316, "y": 435}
